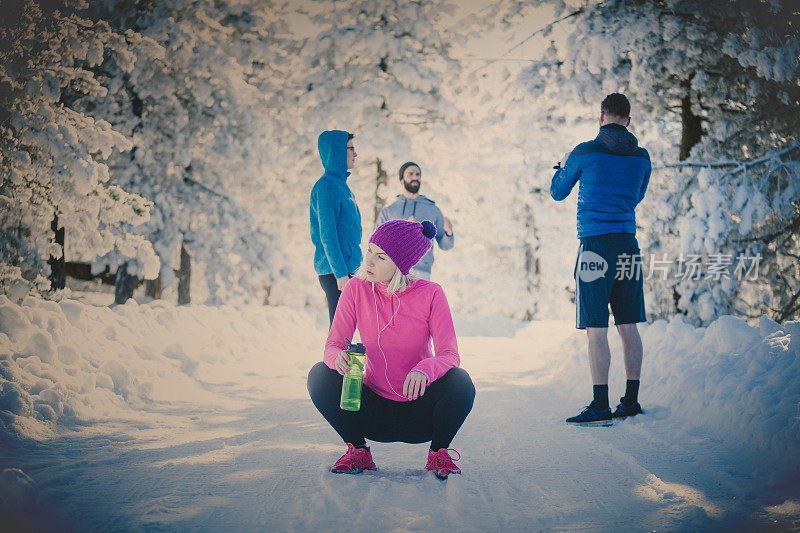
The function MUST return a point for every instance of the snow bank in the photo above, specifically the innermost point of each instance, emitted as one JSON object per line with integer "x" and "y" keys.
{"x": 728, "y": 382}
{"x": 738, "y": 383}
{"x": 17, "y": 489}
{"x": 65, "y": 365}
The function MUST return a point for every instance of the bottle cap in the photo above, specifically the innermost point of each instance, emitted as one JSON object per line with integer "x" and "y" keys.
{"x": 356, "y": 348}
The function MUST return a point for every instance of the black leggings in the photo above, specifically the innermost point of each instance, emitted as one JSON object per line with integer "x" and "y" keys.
{"x": 435, "y": 416}
{"x": 332, "y": 293}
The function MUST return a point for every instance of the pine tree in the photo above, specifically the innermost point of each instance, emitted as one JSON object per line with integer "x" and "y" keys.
{"x": 199, "y": 110}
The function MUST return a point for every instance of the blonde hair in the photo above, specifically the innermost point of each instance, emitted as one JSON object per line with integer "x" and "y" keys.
{"x": 398, "y": 283}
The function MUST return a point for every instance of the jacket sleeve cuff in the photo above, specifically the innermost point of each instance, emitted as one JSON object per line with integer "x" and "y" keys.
{"x": 339, "y": 271}
{"x": 424, "y": 373}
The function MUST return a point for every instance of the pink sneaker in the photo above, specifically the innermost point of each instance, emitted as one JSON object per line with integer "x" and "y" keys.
{"x": 354, "y": 461}
{"x": 441, "y": 463}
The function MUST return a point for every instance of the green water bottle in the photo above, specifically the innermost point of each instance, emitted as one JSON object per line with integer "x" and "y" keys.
{"x": 351, "y": 383}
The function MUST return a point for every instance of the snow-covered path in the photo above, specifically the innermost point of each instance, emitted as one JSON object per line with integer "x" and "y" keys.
{"x": 252, "y": 453}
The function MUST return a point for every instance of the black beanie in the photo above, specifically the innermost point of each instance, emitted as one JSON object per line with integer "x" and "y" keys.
{"x": 406, "y": 165}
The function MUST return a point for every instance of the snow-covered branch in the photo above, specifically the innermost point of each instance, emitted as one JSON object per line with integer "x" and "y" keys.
{"x": 738, "y": 165}
{"x": 189, "y": 179}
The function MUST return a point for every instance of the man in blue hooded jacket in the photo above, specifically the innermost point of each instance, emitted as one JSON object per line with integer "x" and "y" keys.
{"x": 613, "y": 173}
{"x": 334, "y": 217}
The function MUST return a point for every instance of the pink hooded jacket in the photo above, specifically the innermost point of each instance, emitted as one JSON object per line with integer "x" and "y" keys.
{"x": 407, "y": 321}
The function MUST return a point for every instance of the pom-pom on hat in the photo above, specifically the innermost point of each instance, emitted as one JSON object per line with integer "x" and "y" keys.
{"x": 404, "y": 242}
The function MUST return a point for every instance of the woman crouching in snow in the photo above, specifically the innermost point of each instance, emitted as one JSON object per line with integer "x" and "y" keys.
{"x": 409, "y": 395}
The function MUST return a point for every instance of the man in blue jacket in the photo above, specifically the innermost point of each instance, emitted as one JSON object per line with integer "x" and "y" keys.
{"x": 613, "y": 173}
{"x": 334, "y": 217}
{"x": 411, "y": 205}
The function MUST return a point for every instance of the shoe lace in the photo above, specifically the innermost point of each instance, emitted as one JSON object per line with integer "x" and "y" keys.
{"x": 351, "y": 453}
{"x": 589, "y": 411}
{"x": 442, "y": 458}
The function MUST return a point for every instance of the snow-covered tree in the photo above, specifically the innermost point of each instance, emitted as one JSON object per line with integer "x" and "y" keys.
{"x": 738, "y": 222}
{"x": 727, "y": 70}
{"x": 53, "y": 155}
{"x": 203, "y": 118}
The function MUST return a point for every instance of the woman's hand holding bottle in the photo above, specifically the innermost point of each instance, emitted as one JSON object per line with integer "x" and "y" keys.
{"x": 340, "y": 363}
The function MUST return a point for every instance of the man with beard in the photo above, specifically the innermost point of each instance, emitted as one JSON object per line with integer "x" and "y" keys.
{"x": 413, "y": 206}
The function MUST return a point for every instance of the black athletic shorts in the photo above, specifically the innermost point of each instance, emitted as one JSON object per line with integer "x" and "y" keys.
{"x": 608, "y": 271}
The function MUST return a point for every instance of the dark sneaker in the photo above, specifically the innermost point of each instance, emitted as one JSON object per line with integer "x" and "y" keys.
{"x": 592, "y": 417}
{"x": 624, "y": 411}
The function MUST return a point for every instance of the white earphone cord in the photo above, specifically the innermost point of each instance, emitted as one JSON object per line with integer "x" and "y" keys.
{"x": 378, "y": 325}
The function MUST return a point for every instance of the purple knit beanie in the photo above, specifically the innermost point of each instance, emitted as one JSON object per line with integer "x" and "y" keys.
{"x": 404, "y": 242}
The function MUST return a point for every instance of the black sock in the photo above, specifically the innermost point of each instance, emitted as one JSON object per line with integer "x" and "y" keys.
{"x": 631, "y": 392}
{"x": 362, "y": 445}
{"x": 600, "y": 401}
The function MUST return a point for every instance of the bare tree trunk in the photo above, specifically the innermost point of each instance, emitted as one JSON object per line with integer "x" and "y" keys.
{"x": 58, "y": 272}
{"x": 153, "y": 288}
{"x": 184, "y": 276}
{"x": 380, "y": 179}
{"x": 124, "y": 285}
{"x": 691, "y": 133}
{"x": 532, "y": 268}
{"x": 691, "y": 125}
{"x": 267, "y": 293}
